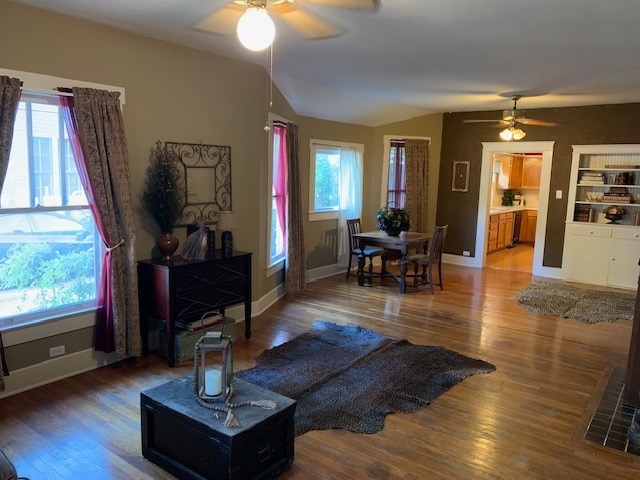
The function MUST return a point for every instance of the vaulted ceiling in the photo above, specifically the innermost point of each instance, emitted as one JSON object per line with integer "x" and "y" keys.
{"x": 416, "y": 57}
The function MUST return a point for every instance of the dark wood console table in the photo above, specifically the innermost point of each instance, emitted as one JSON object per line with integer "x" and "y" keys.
{"x": 185, "y": 290}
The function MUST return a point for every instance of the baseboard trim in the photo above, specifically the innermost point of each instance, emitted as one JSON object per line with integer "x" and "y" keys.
{"x": 55, "y": 369}
{"x": 459, "y": 260}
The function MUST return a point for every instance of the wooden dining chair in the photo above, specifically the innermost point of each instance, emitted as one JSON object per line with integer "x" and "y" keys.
{"x": 429, "y": 260}
{"x": 355, "y": 226}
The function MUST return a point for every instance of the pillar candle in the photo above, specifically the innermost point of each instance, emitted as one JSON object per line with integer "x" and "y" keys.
{"x": 212, "y": 383}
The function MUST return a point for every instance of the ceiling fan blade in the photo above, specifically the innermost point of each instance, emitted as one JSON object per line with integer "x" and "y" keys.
{"x": 305, "y": 24}
{"x": 535, "y": 123}
{"x": 371, "y": 5}
{"x": 500, "y": 122}
{"x": 223, "y": 21}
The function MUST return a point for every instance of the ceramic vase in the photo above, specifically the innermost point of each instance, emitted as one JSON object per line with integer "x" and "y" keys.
{"x": 393, "y": 232}
{"x": 167, "y": 243}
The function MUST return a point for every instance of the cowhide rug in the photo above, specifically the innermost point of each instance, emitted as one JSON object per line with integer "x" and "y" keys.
{"x": 567, "y": 301}
{"x": 351, "y": 377}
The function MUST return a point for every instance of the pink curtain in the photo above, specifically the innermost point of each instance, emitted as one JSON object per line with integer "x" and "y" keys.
{"x": 280, "y": 181}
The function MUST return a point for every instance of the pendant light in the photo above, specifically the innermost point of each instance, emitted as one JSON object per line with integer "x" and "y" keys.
{"x": 255, "y": 28}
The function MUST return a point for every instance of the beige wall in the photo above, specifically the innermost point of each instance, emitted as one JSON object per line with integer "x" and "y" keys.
{"x": 178, "y": 94}
{"x": 172, "y": 94}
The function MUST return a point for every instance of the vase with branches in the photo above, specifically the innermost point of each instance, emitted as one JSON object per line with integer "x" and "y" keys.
{"x": 164, "y": 196}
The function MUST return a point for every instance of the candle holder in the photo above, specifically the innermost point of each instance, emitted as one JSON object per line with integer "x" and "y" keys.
{"x": 213, "y": 365}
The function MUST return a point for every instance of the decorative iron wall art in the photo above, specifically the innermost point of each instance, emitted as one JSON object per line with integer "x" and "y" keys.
{"x": 207, "y": 172}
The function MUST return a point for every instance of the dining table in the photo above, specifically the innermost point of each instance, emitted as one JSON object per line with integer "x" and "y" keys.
{"x": 401, "y": 243}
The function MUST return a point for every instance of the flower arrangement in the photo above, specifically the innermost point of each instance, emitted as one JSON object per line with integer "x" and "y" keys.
{"x": 164, "y": 189}
{"x": 393, "y": 220}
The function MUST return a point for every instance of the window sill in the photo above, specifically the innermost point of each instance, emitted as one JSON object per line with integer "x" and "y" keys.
{"x": 317, "y": 216}
{"x": 275, "y": 268}
{"x": 47, "y": 327}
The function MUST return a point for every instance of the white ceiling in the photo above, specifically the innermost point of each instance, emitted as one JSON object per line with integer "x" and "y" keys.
{"x": 416, "y": 57}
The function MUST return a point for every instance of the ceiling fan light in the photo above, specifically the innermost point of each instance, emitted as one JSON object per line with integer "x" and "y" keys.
{"x": 512, "y": 133}
{"x": 506, "y": 134}
{"x": 255, "y": 29}
{"x": 518, "y": 134}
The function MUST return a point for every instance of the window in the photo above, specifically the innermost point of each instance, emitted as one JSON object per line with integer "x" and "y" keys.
{"x": 327, "y": 176}
{"x": 394, "y": 177}
{"x": 397, "y": 186}
{"x": 278, "y": 181}
{"x": 50, "y": 250}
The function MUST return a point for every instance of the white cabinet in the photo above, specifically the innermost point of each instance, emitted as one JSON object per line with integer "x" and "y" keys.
{"x": 595, "y": 250}
{"x": 602, "y": 254}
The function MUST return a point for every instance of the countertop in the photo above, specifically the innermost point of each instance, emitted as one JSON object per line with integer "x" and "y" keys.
{"x": 516, "y": 208}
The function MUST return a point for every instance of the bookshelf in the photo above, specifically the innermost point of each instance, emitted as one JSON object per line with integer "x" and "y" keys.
{"x": 597, "y": 249}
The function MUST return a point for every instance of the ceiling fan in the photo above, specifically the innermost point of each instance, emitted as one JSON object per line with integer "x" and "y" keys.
{"x": 306, "y": 24}
{"x": 511, "y": 119}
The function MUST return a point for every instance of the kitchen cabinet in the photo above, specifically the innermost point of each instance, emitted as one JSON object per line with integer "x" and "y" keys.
{"x": 494, "y": 220}
{"x": 531, "y": 170}
{"x": 500, "y": 231}
{"x": 518, "y": 172}
{"x": 528, "y": 227}
{"x": 510, "y": 176}
{"x": 594, "y": 251}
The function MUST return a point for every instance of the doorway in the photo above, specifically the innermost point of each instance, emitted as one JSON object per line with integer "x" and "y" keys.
{"x": 489, "y": 151}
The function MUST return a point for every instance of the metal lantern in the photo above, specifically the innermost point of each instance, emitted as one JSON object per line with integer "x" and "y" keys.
{"x": 213, "y": 364}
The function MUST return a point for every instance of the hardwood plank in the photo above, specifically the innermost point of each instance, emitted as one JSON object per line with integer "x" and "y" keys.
{"x": 525, "y": 420}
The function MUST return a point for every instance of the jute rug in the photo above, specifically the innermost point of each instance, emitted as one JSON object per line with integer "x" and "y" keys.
{"x": 589, "y": 306}
{"x": 350, "y": 377}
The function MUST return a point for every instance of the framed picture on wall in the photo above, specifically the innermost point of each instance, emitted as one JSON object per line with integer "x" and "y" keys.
{"x": 460, "y": 180}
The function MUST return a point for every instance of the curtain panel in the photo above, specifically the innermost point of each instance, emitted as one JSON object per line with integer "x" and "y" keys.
{"x": 296, "y": 250}
{"x": 9, "y": 100}
{"x": 351, "y": 175}
{"x": 98, "y": 121}
{"x": 417, "y": 174}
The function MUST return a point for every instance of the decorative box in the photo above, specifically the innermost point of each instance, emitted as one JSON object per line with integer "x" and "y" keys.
{"x": 191, "y": 441}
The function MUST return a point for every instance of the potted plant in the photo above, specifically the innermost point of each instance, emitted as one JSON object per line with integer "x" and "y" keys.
{"x": 164, "y": 196}
{"x": 393, "y": 220}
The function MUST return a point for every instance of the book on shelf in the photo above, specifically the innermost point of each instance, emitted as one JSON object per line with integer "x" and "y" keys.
{"x": 200, "y": 324}
{"x": 582, "y": 213}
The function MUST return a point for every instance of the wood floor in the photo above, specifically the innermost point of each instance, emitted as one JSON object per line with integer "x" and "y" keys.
{"x": 518, "y": 258}
{"x": 526, "y": 420}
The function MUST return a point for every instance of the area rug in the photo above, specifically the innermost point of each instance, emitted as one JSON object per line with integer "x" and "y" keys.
{"x": 351, "y": 377}
{"x": 567, "y": 301}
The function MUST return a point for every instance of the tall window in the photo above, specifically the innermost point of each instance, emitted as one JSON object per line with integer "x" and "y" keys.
{"x": 397, "y": 186}
{"x": 394, "y": 171}
{"x": 278, "y": 172}
{"x": 49, "y": 246}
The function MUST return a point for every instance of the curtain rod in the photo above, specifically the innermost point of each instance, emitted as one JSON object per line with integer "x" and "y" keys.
{"x": 50, "y": 93}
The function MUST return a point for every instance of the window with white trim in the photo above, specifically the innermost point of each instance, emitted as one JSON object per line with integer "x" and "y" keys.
{"x": 325, "y": 182}
{"x": 50, "y": 250}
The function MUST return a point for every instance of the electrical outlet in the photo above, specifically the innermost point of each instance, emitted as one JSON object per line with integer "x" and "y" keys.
{"x": 558, "y": 194}
{"x": 56, "y": 351}
{"x": 466, "y": 253}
